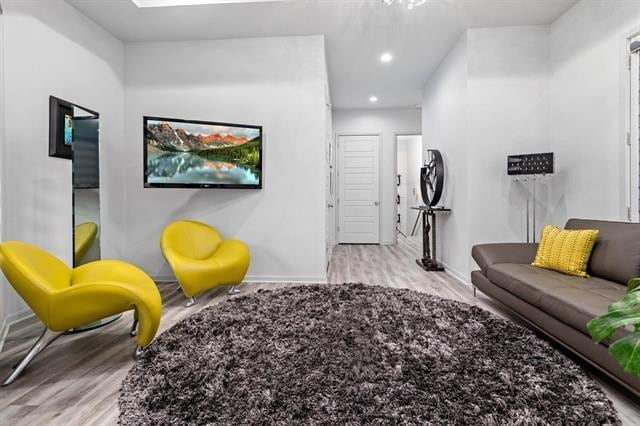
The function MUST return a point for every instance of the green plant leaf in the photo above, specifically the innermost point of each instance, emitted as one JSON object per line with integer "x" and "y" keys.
{"x": 605, "y": 325}
{"x": 626, "y": 311}
{"x": 627, "y": 352}
{"x": 633, "y": 284}
{"x": 630, "y": 301}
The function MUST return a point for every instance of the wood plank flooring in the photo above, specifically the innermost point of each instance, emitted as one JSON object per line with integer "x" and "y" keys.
{"x": 76, "y": 380}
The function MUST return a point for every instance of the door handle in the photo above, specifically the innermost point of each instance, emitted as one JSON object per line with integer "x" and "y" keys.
{"x": 375, "y": 203}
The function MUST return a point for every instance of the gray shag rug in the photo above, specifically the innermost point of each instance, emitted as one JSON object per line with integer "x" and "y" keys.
{"x": 353, "y": 354}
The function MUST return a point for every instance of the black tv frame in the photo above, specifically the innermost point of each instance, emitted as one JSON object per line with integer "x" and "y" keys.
{"x": 147, "y": 184}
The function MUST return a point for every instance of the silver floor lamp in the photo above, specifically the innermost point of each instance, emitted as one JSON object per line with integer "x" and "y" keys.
{"x": 529, "y": 169}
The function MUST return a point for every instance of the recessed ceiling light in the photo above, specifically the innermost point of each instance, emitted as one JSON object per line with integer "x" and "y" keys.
{"x": 386, "y": 57}
{"x": 373, "y": 99}
{"x": 168, "y": 3}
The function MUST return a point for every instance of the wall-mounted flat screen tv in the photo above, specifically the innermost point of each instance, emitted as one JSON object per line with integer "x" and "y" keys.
{"x": 201, "y": 154}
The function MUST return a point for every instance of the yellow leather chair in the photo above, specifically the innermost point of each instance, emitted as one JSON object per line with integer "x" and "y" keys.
{"x": 201, "y": 259}
{"x": 65, "y": 298}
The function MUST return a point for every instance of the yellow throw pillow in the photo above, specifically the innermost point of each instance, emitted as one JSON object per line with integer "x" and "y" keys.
{"x": 565, "y": 251}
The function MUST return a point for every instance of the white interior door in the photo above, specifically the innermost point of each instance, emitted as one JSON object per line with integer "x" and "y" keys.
{"x": 359, "y": 189}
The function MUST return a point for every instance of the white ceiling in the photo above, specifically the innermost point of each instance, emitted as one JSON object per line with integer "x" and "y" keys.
{"x": 357, "y": 32}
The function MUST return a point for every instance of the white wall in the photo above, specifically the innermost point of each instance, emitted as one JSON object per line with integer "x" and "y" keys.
{"x": 508, "y": 114}
{"x": 587, "y": 108}
{"x": 557, "y": 88}
{"x": 278, "y": 83}
{"x": 4, "y": 291}
{"x": 283, "y": 224}
{"x": 445, "y": 127}
{"x": 52, "y": 49}
{"x": 487, "y": 100}
{"x": 387, "y": 123}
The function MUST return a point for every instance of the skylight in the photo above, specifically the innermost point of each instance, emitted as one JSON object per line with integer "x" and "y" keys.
{"x": 167, "y": 3}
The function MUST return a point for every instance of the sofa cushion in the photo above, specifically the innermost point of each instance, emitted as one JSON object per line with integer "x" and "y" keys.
{"x": 572, "y": 300}
{"x": 616, "y": 254}
{"x": 486, "y": 255}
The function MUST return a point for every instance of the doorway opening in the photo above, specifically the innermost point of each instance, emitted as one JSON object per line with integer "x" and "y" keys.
{"x": 408, "y": 163}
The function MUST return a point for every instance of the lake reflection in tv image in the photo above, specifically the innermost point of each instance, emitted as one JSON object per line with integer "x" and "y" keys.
{"x": 188, "y": 168}
{"x": 202, "y": 154}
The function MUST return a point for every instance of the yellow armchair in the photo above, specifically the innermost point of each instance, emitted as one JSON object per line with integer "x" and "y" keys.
{"x": 64, "y": 298}
{"x": 201, "y": 259}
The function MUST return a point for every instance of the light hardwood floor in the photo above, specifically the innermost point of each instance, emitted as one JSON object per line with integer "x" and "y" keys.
{"x": 76, "y": 380}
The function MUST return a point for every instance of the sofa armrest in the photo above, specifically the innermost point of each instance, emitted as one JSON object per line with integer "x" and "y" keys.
{"x": 486, "y": 255}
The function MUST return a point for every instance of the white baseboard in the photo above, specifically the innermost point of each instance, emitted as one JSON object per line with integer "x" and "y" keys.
{"x": 163, "y": 279}
{"x": 264, "y": 279}
{"x": 285, "y": 279}
{"x": 12, "y": 320}
{"x": 4, "y": 330}
{"x": 19, "y": 316}
{"x": 456, "y": 274}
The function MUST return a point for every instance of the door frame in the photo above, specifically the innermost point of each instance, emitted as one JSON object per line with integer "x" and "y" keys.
{"x": 5, "y": 321}
{"x": 395, "y": 168}
{"x": 631, "y": 135}
{"x": 338, "y": 181}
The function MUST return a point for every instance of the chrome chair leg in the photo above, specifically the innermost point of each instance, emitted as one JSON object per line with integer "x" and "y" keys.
{"x": 46, "y": 338}
{"x": 137, "y": 354}
{"x": 134, "y": 327}
{"x": 191, "y": 302}
{"x": 233, "y": 290}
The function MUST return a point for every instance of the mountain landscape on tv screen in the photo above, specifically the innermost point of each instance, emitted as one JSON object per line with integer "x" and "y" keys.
{"x": 191, "y": 153}
{"x": 167, "y": 138}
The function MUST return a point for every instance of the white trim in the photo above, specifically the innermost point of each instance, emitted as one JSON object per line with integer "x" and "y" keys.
{"x": 184, "y": 3}
{"x": 337, "y": 165}
{"x": 13, "y": 320}
{"x": 261, "y": 279}
{"x": 631, "y": 149}
{"x": 4, "y": 330}
{"x": 330, "y": 256}
{"x": 281, "y": 279}
{"x": 3, "y": 283}
{"x": 16, "y": 317}
{"x": 455, "y": 273}
{"x": 631, "y": 100}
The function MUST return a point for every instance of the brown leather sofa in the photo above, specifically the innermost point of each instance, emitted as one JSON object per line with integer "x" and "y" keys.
{"x": 560, "y": 305}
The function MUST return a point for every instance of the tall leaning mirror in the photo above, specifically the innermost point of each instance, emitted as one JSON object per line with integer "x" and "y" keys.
{"x": 85, "y": 155}
{"x": 86, "y": 185}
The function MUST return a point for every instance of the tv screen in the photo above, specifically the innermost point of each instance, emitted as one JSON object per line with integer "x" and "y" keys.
{"x": 201, "y": 154}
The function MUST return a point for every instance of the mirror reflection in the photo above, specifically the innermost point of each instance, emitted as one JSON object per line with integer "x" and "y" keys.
{"x": 86, "y": 186}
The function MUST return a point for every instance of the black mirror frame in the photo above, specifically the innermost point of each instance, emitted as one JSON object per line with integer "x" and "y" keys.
{"x": 57, "y": 109}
